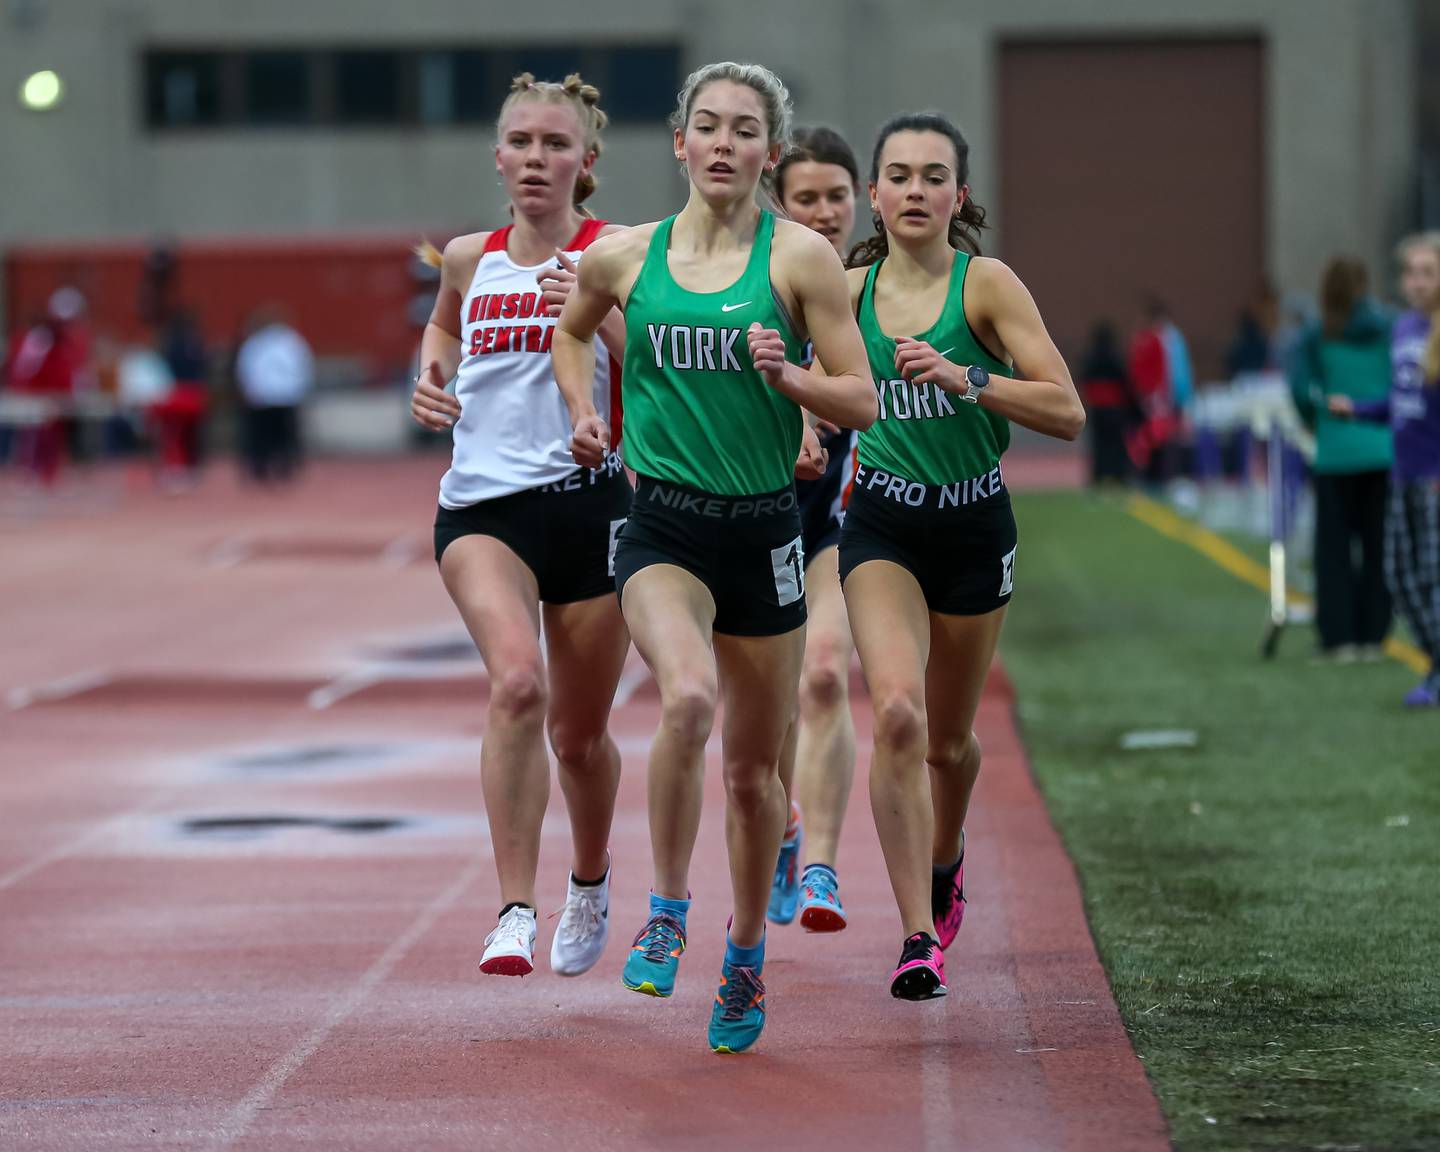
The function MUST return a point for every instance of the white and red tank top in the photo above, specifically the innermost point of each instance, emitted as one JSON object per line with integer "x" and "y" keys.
{"x": 514, "y": 429}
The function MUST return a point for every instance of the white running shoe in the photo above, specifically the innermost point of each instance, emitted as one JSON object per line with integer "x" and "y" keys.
{"x": 584, "y": 928}
{"x": 510, "y": 949}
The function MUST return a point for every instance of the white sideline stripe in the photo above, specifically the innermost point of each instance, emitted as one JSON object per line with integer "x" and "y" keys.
{"x": 341, "y": 687}
{"x": 229, "y": 553}
{"x": 243, "y": 1114}
{"x": 61, "y": 689}
{"x": 630, "y": 683}
{"x": 399, "y": 553}
{"x": 348, "y": 683}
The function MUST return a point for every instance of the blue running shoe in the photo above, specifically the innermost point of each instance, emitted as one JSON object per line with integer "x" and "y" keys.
{"x": 738, "y": 1015}
{"x": 819, "y": 891}
{"x": 654, "y": 958}
{"x": 785, "y": 891}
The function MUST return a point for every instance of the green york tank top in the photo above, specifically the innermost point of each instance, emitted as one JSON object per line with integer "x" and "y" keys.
{"x": 924, "y": 433}
{"x": 696, "y": 410}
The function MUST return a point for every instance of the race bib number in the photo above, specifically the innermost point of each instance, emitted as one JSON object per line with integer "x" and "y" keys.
{"x": 1007, "y": 573}
{"x": 788, "y": 564}
{"x": 615, "y": 526}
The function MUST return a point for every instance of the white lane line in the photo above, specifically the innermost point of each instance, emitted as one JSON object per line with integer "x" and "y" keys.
{"x": 61, "y": 689}
{"x": 343, "y": 686}
{"x": 630, "y": 682}
{"x": 399, "y": 553}
{"x": 349, "y": 683}
{"x": 243, "y": 1114}
{"x": 231, "y": 552}
{"x": 76, "y": 844}
{"x": 937, "y": 1082}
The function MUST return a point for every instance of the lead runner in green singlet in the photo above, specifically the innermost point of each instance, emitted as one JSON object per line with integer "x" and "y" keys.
{"x": 709, "y": 566}
{"x": 957, "y": 351}
{"x": 697, "y": 412}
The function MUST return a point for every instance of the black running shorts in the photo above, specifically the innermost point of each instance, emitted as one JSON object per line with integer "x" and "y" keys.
{"x": 957, "y": 540}
{"x": 745, "y": 549}
{"x": 564, "y": 532}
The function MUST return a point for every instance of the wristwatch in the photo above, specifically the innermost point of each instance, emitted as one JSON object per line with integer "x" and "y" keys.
{"x": 978, "y": 379}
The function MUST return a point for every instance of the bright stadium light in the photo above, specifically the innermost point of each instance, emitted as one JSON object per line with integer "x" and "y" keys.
{"x": 42, "y": 91}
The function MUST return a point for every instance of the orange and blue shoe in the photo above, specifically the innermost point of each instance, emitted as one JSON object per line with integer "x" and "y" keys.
{"x": 654, "y": 959}
{"x": 920, "y": 975}
{"x": 947, "y": 901}
{"x": 738, "y": 1015}
{"x": 820, "y": 909}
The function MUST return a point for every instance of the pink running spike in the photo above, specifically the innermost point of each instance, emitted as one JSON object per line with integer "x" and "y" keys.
{"x": 920, "y": 974}
{"x": 947, "y": 923}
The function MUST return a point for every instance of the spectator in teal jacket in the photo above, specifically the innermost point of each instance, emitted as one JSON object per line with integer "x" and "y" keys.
{"x": 1347, "y": 352}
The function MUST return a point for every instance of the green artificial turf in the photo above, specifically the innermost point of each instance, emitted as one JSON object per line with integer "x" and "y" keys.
{"x": 1265, "y": 903}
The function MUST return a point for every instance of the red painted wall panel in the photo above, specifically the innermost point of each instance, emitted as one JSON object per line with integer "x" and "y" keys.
{"x": 350, "y": 297}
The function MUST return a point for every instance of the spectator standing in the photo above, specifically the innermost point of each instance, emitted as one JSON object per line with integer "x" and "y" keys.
{"x": 1249, "y": 350}
{"x": 1149, "y": 371}
{"x": 1110, "y": 401}
{"x": 1412, "y": 408}
{"x": 48, "y": 362}
{"x": 275, "y": 370}
{"x": 1347, "y": 352}
{"x": 1178, "y": 369}
{"x": 178, "y": 420}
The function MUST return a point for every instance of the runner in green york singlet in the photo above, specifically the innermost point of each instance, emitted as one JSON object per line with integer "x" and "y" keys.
{"x": 696, "y": 411}
{"x": 923, "y": 432}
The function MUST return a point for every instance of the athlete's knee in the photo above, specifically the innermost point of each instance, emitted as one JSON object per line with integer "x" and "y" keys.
{"x": 687, "y": 708}
{"x": 825, "y": 684}
{"x": 749, "y": 784}
{"x": 576, "y": 746}
{"x": 899, "y": 720}
{"x": 518, "y": 694}
{"x": 955, "y": 756}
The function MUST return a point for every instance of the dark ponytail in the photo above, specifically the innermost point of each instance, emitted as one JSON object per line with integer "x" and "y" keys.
{"x": 1341, "y": 288}
{"x": 965, "y": 225}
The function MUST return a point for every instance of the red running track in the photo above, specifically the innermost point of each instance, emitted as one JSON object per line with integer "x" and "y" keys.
{"x": 171, "y": 983}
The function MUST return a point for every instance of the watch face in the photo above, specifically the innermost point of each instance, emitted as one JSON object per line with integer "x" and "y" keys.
{"x": 977, "y": 376}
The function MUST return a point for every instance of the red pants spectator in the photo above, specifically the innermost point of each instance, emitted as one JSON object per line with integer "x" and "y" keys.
{"x": 176, "y": 422}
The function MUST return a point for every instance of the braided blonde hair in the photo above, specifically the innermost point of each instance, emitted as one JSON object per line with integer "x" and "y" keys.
{"x": 584, "y": 98}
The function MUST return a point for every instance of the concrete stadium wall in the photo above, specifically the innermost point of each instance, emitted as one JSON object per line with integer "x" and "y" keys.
{"x": 1341, "y": 115}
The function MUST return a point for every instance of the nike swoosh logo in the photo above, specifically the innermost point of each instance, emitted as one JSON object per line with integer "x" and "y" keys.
{"x": 732, "y": 307}
{"x": 948, "y": 351}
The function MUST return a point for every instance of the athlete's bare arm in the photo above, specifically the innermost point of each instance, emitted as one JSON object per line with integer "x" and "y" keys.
{"x": 813, "y": 457}
{"x": 1002, "y": 312}
{"x": 430, "y": 405}
{"x": 605, "y": 278}
{"x": 855, "y": 281}
{"x": 557, "y": 283}
{"x": 612, "y": 328}
{"x": 840, "y": 390}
